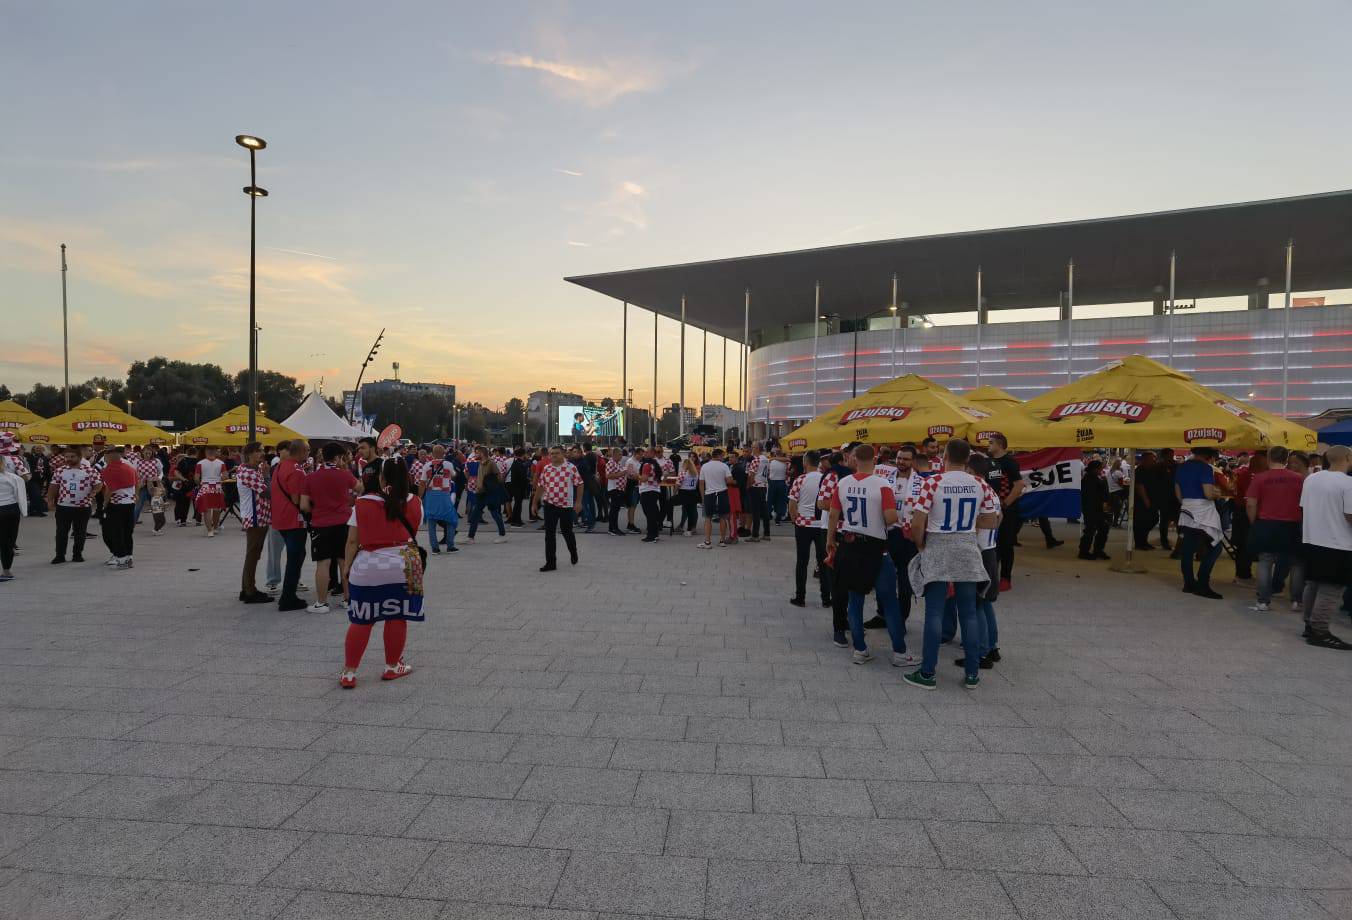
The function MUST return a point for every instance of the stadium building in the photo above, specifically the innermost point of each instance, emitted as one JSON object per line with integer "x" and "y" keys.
{"x": 1254, "y": 299}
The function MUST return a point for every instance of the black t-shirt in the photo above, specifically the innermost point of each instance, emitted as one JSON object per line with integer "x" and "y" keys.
{"x": 1003, "y": 474}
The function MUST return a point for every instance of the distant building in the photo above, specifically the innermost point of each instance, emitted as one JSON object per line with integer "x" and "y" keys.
{"x": 406, "y": 389}
{"x": 722, "y": 417}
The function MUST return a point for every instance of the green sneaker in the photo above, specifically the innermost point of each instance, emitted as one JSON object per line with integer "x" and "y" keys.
{"x": 920, "y": 681}
{"x": 971, "y": 683}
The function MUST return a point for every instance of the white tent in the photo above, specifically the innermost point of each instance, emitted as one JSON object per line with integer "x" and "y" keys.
{"x": 315, "y": 420}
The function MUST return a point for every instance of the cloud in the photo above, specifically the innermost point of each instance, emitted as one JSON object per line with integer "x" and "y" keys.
{"x": 595, "y": 84}
{"x": 576, "y": 243}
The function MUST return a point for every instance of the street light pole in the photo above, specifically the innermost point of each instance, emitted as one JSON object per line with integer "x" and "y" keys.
{"x": 65, "y": 334}
{"x": 253, "y": 145}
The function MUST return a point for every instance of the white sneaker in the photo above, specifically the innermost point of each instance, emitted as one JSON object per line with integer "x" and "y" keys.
{"x": 704, "y": 546}
{"x": 317, "y": 607}
{"x": 1260, "y": 607}
{"x": 904, "y": 660}
{"x": 211, "y": 533}
{"x": 500, "y": 539}
{"x": 124, "y": 562}
{"x": 112, "y": 560}
{"x": 863, "y": 657}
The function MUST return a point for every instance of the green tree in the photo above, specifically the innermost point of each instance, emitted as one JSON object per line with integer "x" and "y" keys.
{"x": 181, "y": 391}
{"x": 4, "y": 393}
{"x": 279, "y": 393}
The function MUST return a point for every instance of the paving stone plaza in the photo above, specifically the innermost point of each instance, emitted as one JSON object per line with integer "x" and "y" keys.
{"x": 657, "y": 733}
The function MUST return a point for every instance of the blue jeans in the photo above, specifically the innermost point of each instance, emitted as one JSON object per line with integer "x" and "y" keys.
{"x": 936, "y": 593}
{"x": 478, "y": 506}
{"x": 448, "y": 528}
{"x": 886, "y": 586}
{"x": 986, "y": 614}
{"x": 274, "y": 553}
{"x": 295, "y": 541}
{"x": 588, "y": 509}
{"x": 779, "y": 499}
{"x": 142, "y": 499}
{"x": 1188, "y": 546}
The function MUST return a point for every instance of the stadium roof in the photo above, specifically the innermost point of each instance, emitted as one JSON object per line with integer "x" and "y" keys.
{"x": 1223, "y": 250}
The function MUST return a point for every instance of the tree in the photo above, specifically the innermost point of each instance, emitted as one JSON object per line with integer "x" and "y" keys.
{"x": 4, "y": 393}
{"x": 514, "y": 411}
{"x": 279, "y": 393}
{"x": 182, "y": 392}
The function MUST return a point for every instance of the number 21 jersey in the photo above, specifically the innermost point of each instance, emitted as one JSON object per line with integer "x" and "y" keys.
{"x": 861, "y": 500}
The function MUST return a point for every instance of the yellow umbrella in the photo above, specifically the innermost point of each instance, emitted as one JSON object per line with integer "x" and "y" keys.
{"x": 232, "y": 430}
{"x": 1136, "y": 403}
{"x": 96, "y": 421}
{"x": 909, "y": 408}
{"x": 14, "y": 416}
{"x": 991, "y": 397}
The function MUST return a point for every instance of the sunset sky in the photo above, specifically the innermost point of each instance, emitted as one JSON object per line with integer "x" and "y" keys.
{"x": 437, "y": 168}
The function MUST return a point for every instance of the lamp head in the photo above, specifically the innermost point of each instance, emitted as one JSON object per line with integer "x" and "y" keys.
{"x": 249, "y": 142}
{"x": 255, "y": 191}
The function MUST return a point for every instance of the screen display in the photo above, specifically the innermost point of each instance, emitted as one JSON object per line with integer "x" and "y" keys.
{"x": 583, "y": 422}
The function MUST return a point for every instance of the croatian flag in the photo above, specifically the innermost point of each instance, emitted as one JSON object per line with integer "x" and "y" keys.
{"x": 1051, "y": 483}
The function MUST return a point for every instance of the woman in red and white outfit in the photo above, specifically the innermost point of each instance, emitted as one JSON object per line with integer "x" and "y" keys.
{"x": 210, "y": 493}
{"x": 383, "y": 524}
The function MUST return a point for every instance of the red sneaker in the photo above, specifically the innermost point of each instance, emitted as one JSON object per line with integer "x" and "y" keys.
{"x": 396, "y": 671}
{"x": 347, "y": 680}
{"x": 1005, "y": 585}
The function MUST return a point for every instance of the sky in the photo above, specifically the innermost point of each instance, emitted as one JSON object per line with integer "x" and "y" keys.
{"x": 437, "y": 168}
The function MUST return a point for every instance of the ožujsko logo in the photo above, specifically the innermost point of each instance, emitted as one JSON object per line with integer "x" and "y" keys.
{"x": 1236, "y": 411}
{"x": 937, "y": 430}
{"x": 236, "y": 429}
{"x": 984, "y": 437}
{"x": 98, "y": 424}
{"x": 798, "y": 444}
{"x": 975, "y": 412}
{"x": 1204, "y": 434}
{"x": 885, "y": 413}
{"x": 1119, "y": 408}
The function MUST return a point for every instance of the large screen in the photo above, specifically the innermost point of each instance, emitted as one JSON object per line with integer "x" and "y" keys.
{"x": 583, "y": 422}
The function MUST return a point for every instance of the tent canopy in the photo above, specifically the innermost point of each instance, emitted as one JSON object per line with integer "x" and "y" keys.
{"x": 991, "y": 397}
{"x": 1338, "y": 433}
{"x": 14, "y": 416}
{"x": 95, "y": 421}
{"x": 232, "y": 430}
{"x": 1137, "y": 402}
{"x": 315, "y": 421}
{"x": 909, "y": 408}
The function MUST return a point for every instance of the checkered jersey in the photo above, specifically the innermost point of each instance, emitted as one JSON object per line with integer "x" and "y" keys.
{"x": 75, "y": 486}
{"x": 942, "y": 497}
{"x": 795, "y": 492}
{"x": 439, "y": 475}
{"x": 615, "y": 475}
{"x": 668, "y": 468}
{"x": 557, "y": 484}
{"x": 255, "y": 498}
{"x": 16, "y": 464}
{"x": 148, "y": 470}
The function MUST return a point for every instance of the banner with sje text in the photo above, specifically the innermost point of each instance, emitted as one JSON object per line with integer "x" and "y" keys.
{"x": 1051, "y": 482}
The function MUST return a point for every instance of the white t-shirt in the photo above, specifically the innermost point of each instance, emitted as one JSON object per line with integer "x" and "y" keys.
{"x": 1116, "y": 478}
{"x": 211, "y": 470}
{"x": 762, "y": 478}
{"x": 861, "y": 500}
{"x": 953, "y": 499}
{"x": 779, "y": 470}
{"x": 1325, "y": 498}
{"x": 715, "y": 475}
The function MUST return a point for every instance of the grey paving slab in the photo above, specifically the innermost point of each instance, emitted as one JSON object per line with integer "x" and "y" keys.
{"x": 671, "y": 886}
{"x": 1122, "y": 853}
{"x": 93, "y": 847}
{"x": 893, "y": 893}
{"x": 52, "y": 896}
{"x": 472, "y": 820}
{"x": 189, "y": 901}
{"x": 220, "y": 855}
{"x": 865, "y": 841}
{"x": 324, "y": 905}
{"x": 800, "y": 796}
{"x": 612, "y": 706}
{"x": 699, "y": 791}
{"x": 732, "y": 835}
{"x": 579, "y": 785}
{"x": 1051, "y": 897}
{"x": 359, "y": 811}
{"x": 602, "y": 828}
{"x": 348, "y": 863}
{"x": 489, "y": 874}
{"x": 1194, "y": 901}
{"x": 770, "y": 890}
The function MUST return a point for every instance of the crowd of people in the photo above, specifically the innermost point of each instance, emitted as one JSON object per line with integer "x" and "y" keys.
{"x": 939, "y": 523}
